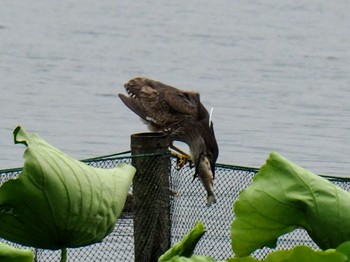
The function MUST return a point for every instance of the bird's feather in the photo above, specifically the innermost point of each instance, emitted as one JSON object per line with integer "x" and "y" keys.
{"x": 181, "y": 115}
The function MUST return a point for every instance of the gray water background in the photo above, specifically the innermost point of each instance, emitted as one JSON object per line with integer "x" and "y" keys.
{"x": 275, "y": 72}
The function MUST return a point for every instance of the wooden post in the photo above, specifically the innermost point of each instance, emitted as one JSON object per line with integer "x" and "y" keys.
{"x": 151, "y": 195}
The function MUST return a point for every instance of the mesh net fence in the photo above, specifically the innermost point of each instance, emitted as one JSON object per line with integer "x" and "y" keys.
{"x": 187, "y": 203}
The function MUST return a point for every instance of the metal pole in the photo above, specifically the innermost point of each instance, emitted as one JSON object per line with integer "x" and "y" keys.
{"x": 151, "y": 159}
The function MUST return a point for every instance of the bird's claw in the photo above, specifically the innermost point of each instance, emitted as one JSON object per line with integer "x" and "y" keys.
{"x": 182, "y": 160}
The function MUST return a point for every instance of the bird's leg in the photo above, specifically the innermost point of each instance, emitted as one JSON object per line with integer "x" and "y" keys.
{"x": 181, "y": 157}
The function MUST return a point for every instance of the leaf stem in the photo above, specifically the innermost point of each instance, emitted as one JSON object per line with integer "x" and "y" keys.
{"x": 64, "y": 254}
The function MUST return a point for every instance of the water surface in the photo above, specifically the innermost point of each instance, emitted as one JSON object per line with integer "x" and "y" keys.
{"x": 276, "y": 73}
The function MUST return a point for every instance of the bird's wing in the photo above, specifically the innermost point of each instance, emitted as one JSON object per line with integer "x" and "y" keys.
{"x": 184, "y": 102}
{"x": 162, "y": 104}
{"x": 134, "y": 105}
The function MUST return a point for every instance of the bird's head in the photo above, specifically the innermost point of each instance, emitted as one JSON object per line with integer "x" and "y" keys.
{"x": 207, "y": 146}
{"x": 212, "y": 149}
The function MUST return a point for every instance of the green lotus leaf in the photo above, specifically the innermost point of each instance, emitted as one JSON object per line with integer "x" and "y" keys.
{"x": 244, "y": 259}
{"x": 191, "y": 259}
{"x": 300, "y": 254}
{"x": 344, "y": 248}
{"x": 11, "y": 254}
{"x": 284, "y": 196}
{"x": 57, "y": 201}
{"x": 186, "y": 246}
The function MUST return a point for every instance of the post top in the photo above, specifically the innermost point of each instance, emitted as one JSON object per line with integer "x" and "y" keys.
{"x": 149, "y": 140}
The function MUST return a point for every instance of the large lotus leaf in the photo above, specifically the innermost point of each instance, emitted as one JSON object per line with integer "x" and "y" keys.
{"x": 192, "y": 259}
{"x": 11, "y": 254}
{"x": 284, "y": 196}
{"x": 299, "y": 254}
{"x": 58, "y": 201}
{"x": 344, "y": 248}
{"x": 186, "y": 246}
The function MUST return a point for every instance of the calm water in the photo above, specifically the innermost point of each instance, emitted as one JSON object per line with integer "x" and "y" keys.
{"x": 276, "y": 73}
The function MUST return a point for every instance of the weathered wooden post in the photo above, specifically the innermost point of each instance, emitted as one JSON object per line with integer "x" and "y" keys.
{"x": 151, "y": 158}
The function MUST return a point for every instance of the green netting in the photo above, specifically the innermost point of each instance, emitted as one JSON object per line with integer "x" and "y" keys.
{"x": 186, "y": 208}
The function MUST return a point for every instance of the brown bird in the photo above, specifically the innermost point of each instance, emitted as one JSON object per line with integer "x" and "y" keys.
{"x": 181, "y": 115}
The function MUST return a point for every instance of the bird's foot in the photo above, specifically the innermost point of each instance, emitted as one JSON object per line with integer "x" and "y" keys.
{"x": 182, "y": 160}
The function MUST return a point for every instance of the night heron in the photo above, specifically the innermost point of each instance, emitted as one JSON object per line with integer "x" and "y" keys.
{"x": 181, "y": 115}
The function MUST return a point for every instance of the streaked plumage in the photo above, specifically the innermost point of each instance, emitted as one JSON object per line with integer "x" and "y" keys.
{"x": 181, "y": 115}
